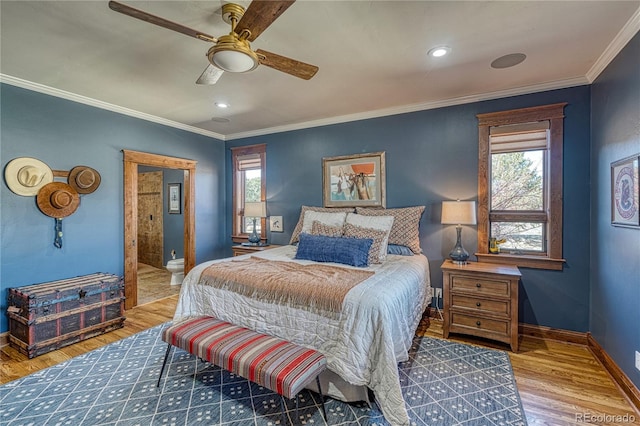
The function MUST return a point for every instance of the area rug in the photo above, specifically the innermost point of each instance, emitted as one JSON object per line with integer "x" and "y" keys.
{"x": 444, "y": 383}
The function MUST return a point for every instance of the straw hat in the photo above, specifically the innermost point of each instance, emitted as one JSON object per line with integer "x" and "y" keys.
{"x": 26, "y": 175}
{"x": 58, "y": 200}
{"x": 84, "y": 179}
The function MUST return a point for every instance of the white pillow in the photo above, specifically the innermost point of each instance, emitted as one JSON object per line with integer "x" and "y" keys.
{"x": 331, "y": 219}
{"x": 383, "y": 223}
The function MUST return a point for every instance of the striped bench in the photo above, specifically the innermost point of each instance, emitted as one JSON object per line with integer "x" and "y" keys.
{"x": 276, "y": 364}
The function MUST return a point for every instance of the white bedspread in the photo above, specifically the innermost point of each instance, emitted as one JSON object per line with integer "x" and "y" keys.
{"x": 363, "y": 346}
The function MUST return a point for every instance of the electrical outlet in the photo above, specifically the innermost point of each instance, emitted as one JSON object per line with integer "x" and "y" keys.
{"x": 637, "y": 360}
{"x": 438, "y": 293}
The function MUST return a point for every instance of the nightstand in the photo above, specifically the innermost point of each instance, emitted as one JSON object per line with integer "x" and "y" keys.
{"x": 481, "y": 299}
{"x": 239, "y": 250}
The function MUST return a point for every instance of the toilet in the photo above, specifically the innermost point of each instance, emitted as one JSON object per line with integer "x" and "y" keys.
{"x": 176, "y": 267}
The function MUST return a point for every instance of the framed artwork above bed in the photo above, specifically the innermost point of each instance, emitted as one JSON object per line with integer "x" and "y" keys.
{"x": 354, "y": 180}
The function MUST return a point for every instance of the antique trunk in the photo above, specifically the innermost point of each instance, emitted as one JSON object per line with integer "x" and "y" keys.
{"x": 44, "y": 317}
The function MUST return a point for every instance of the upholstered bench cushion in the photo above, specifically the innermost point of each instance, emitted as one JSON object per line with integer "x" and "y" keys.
{"x": 276, "y": 364}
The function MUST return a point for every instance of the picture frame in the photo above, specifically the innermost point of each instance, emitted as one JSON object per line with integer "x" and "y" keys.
{"x": 174, "y": 198}
{"x": 275, "y": 224}
{"x": 357, "y": 180}
{"x": 625, "y": 192}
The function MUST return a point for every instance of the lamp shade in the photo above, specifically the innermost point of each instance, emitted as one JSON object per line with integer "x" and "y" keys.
{"x": 255, "y": 209}
{"x": 458, "y": 212}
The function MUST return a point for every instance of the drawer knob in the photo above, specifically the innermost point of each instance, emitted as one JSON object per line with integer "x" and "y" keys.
{"x": 478, "y": 323}
{"x": 478, "y": 285}
{"x": 478, "y": 304}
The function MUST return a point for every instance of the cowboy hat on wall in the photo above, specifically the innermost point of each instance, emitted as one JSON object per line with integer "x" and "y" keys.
{"x": 25, "y": 175}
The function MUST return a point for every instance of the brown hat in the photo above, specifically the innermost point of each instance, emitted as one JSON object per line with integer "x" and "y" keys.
{"x": 84, "y": 179}
{"x": 58, "y": 200}
{"x": 26, "y": 175}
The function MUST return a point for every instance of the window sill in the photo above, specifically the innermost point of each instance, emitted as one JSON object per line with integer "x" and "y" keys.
{"x": 524, "y": 261}
{"x": 243, "y": 238}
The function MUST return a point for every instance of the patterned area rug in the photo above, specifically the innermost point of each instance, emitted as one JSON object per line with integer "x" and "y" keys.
{"x": 444, "y": 383}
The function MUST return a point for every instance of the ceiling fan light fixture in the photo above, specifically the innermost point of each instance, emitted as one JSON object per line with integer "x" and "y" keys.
{"x": 233, "y": 55}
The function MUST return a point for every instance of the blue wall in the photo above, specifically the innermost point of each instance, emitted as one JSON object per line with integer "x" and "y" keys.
{"x": 433, "y": 156}
{"x": 615, "y": 251}
{"x": 64, "y": 134}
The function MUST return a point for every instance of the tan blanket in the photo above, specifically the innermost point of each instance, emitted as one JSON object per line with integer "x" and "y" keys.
{"x": 314, "y": 287}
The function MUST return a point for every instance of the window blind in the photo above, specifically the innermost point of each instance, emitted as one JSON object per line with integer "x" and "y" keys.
{"x": 519, "y": 137}
{"x": 248, "y": 162}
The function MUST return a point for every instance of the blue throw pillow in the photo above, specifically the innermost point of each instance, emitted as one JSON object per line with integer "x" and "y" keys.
{"x": 320, "y": 248}
{"x": 398, "y": 249}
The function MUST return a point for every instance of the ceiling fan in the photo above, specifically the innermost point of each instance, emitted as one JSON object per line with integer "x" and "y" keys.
{"x": 232, "y": 52}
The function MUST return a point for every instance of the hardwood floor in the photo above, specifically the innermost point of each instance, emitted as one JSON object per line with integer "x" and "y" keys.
{"x": 559, "y": 383}
{"x": 154, "y": 284}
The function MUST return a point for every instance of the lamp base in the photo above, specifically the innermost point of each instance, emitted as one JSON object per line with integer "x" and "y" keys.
{"x": 459, "y": 255}
{"x": 254, "y": 238}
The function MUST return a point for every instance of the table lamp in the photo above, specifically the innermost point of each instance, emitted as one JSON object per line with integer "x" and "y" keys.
{"x": 459, "y": 213}
{"x": 255, "y": 210}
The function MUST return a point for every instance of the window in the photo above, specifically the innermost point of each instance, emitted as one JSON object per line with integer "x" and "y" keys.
{"x": 249, "y": 171}
{"x": 520, "y": 186}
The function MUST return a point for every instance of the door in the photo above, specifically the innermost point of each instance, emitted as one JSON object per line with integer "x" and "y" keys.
{"x": 150, "y": 220}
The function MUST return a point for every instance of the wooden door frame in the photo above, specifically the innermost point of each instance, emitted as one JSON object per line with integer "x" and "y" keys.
{"x": 133, "y": 159}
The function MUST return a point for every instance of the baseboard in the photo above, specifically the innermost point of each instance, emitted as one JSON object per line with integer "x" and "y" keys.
{"x": 623, "y": 381}
{"x": 4, "y": 339}
{"x": 542, "y": 332}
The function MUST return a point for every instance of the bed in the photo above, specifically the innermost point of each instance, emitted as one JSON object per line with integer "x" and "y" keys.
{"x": 364, "y": 341}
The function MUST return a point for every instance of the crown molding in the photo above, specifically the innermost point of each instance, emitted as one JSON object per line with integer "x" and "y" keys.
{"x": 553, "y": 85}
{"x": 41, "y": 88}
{"x": 617, "y": 44}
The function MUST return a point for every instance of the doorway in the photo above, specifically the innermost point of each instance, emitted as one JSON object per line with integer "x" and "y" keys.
{"x": 133, "y": 159}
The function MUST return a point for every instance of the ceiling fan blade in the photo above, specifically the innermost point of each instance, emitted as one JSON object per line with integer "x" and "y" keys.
{"x": 161, "y": 22}
{"x": 260, "y": 14}
{"x": 288, "y": 65}
{"x": 210, "y": 75}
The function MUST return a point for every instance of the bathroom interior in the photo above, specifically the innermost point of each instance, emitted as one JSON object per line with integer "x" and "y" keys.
{"x": 160, "y": 233}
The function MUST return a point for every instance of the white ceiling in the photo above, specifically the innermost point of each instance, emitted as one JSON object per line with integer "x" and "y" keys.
{"x": 371, "y": 54}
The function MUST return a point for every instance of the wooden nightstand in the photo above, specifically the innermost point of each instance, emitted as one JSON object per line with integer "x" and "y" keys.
{"x": 239, "y": 250}
{"x": 481, "y": 299}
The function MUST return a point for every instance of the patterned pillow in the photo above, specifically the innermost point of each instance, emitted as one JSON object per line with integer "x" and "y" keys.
{"x": 319, "y": 228}
{"x": 405, "y": 230}
{"x": 377, "y": 235}
{"x": 349, "y": 251}
{"x": 380, "y": 223}
{"x": 303, "y": 209}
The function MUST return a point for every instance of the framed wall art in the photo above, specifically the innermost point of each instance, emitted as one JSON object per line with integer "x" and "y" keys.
{"x": 175, "y": 197}
{"x": 625, "y": 192}
{"x": 354, "y": 180}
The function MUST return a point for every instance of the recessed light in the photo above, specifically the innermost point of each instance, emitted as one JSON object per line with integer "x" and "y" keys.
{"x": 439, "y": 51}
{"x": 509, "y": 60}
{"x": 220, "y": 119}
{"x": 222, "y": 105}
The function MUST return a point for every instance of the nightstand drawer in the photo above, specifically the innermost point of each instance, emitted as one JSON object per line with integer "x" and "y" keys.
{"x": 479, "y": 286}
{"x": 493, "y": 306}
{"x": 480, "y": 323}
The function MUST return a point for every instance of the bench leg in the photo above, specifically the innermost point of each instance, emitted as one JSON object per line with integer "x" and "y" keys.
{"x": 164, "y": 363}
{"x": 321, "y": 398}
{"x": 284, "y": 410}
